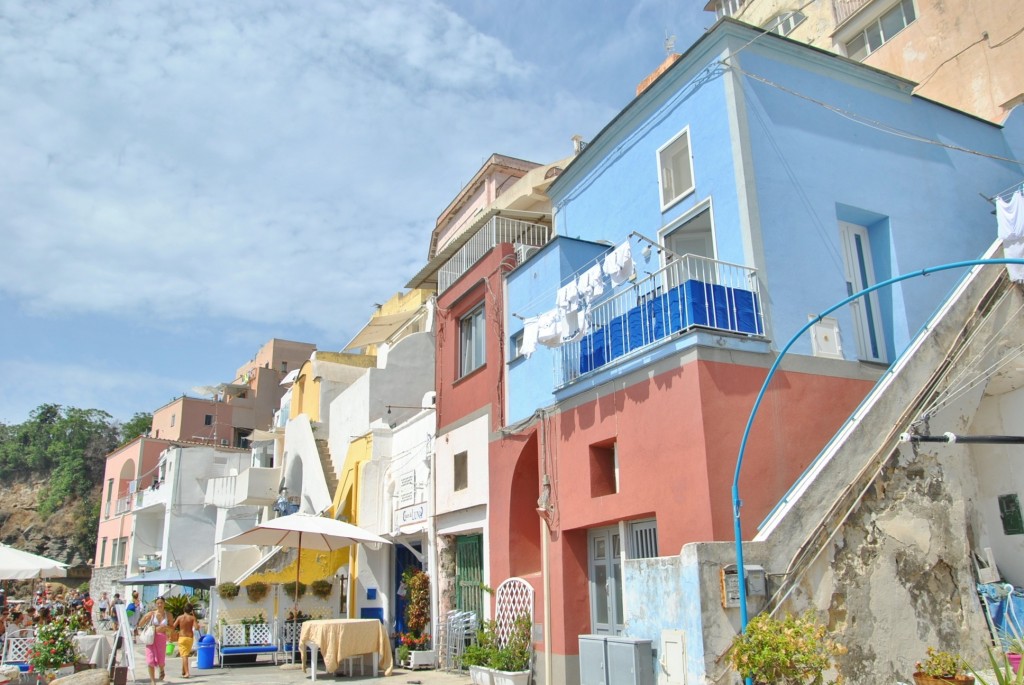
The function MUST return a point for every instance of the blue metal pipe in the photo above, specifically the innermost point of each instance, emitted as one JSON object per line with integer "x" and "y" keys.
{"x": 736, "y": 501}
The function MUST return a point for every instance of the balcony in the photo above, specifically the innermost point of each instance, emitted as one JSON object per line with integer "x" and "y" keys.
{"x": 844, "y": 9}
{"x": 123, "y": 505}
{"x": 689, "y": 293}
{"x": 158, "y": 494}
{"x": 500, "y": 229}
{"x": 254, "y": 486}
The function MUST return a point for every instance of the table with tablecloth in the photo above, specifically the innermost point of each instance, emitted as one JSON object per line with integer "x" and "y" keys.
{"x": 95, "y": 649}
{"x": 340, "y": 638}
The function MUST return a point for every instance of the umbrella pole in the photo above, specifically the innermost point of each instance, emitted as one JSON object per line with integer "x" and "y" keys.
{"x": 295, "y": 611}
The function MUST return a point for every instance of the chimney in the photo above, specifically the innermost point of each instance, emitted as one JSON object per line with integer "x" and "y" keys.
{"x": 662, "y": 68}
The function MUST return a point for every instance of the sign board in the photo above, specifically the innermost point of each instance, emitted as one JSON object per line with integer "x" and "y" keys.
{"x": 123, "y": 639}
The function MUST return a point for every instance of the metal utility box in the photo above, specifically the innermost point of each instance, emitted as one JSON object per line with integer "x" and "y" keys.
{"x": 614, "y": 660}
{"x": 756, "y": 584}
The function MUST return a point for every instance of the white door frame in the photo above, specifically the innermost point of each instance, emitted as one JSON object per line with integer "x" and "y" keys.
{"x": 860, "y": 274}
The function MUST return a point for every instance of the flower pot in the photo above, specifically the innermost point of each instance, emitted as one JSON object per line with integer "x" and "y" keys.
{"x": 1014, "y": 660}
{"x": 925, "y": 679}
{"x": 511, "y": 677}
{"x": 426, "y": 658}
{"x": 481, "y": 675}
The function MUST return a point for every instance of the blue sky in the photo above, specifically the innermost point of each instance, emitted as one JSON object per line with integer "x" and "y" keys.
{"x": 184, "y": 180}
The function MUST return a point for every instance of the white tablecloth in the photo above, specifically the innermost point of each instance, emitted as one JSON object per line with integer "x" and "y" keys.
{"x": 95, "y": 649}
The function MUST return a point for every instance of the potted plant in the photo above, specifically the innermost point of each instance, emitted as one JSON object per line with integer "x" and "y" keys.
{"x": 788, "y": 651}
{"x": 941, "y": 667}
{"x": 1014, "y": 650}
{"x": 228, "y": 590}
{"x": 417, "y": 619}
{"x": 256, "y": 591}
{"x": 291, "y": 587}
{"x": 511, "y": 659}
{"x": 1002, "y": 674}
{"x": 54, "y": 647}
{"x": 479, "y": 656}
{"x": 321, "y": 588}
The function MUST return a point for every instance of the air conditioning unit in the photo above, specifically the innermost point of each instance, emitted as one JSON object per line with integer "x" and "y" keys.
{"x": 224, "y": 442}
{"x": 524, "y": 252}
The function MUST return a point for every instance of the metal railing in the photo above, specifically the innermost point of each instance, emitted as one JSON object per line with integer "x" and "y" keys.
{"x": 844, "y": 9}
{"x": 689, "y": 292}
{"x": 498, "y": 230}
{"x": 124, "y": 505}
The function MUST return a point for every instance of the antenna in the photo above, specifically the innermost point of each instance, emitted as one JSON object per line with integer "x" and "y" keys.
{"x": 670, "y": 43}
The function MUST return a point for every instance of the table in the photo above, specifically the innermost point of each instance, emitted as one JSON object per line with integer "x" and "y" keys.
{"x": 95, "y": 649}
{"x": 340, "y": 638}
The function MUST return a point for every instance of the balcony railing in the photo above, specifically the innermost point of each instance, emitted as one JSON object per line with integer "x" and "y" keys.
{"x": 499, "y": 229}
{"x": 124, "y": 505}
{"x": 690, "y": 292}
{"x": 844, "y": 9}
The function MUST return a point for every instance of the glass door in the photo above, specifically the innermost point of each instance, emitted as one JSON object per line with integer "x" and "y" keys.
{"x": 605, "y": 575}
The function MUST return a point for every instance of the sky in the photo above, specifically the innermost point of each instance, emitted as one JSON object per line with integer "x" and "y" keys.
{"x": 183, "y": 180}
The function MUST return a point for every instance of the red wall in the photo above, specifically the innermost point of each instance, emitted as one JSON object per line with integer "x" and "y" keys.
{"x": 459, "y": 397}
{"x": 678, "y": 435}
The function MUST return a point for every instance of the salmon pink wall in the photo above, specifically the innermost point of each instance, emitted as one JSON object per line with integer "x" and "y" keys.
{"x": 459, "y": 397}
{"x": 677, "y": 435}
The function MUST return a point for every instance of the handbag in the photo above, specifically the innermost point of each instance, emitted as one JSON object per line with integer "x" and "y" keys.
{"x": 147, "y": 636}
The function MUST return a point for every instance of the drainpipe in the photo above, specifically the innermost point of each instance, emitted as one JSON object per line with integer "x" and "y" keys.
{"x": 545, "y": 530}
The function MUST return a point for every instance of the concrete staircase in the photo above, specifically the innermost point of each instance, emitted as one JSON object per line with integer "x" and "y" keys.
{"x": 327, "y": 464}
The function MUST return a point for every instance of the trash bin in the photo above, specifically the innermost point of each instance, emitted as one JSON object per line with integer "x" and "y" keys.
{"x": 205, "y": 650}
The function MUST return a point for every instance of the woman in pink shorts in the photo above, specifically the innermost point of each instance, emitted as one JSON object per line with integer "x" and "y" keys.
{"x": 156, "y": 653}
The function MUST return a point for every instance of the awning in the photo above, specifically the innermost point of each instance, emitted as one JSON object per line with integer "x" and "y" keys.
{"x": 379, "y": 328}
{"x": 263, "y": 436}
{"x": 290, "y": 377}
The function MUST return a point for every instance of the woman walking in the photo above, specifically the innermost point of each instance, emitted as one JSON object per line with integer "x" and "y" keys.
{"x": 156, "y": 653}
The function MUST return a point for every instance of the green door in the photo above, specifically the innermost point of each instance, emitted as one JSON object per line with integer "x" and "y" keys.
{"x": 469, "y": 574}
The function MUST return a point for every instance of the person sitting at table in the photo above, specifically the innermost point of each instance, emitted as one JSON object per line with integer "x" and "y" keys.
{"x": 186, "y": 625}
{"x": 29, "y": 618}
{"x": 156, "y": 653}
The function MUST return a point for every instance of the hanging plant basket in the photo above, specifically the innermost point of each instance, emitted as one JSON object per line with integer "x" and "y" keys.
{"x": 321, "y": 588}
{"x": 257, "y": 591}
{"x": 289, "y": 589}
{"x": 228, "y": 590}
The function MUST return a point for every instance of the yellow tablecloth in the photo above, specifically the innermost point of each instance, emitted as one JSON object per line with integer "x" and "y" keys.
{"x": 340, "y": 638}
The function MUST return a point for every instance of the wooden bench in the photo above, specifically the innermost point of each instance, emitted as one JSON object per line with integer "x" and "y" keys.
{"x": 243, "y": 639}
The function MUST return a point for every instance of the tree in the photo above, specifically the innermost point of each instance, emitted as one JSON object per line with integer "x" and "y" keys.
{"x": 137, "y": 425}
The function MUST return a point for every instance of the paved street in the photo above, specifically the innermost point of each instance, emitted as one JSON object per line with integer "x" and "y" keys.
{"x": 266, "y": 672}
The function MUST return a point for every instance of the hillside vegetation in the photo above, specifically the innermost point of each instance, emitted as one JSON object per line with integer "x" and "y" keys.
{"x": 52, "y": 468}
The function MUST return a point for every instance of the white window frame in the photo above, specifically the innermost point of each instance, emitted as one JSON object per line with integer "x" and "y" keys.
{"x": 872, "y": 22}
{"x": 472, "y": 325}
{"x": 784, "y": 24}
{"x": 666, "y": 170}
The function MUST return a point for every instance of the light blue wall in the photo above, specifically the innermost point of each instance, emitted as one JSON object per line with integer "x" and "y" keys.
{"x": 814, "y": 167}
{"x": 804, "y": 168}
{"x": 531, "y": 291}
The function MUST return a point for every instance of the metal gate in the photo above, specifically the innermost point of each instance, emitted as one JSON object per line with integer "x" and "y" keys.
{"x": 469, "y": 574}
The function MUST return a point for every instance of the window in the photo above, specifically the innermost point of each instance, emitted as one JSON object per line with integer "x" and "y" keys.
{"x": 785, "y": 23}
{"x": 1009, "y": 512}
{"x": 604, "y": 469}
{"x": 173, "y": 417}
{"x": 881, "y": 30}
{"x": 284, "y": 367}
{"x": 461, "y": 471}
{"x": 675, "y": 169}
{"x": 728, "y": 8}
{"x": 208, "y": 420}
{"x": 515, "y": 346}
{"x": 643, "y": 539}
{"x": 471, "y": 341}
{"x": 103, "y": 551}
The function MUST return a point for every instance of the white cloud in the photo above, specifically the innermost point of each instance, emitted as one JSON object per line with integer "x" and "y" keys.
{"x": 264, "y": 161}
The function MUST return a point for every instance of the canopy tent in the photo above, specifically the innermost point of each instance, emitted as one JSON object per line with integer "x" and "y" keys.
{"x": 16, "y": 564}
{"x": 172, "y": 576}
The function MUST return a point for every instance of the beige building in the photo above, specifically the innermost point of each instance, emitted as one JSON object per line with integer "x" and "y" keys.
{"x": 962, "y": 53}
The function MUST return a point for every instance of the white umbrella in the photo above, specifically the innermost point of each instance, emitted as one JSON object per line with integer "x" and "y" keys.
{"x": 16, "y": 564}
{"x": 305, "y": 531}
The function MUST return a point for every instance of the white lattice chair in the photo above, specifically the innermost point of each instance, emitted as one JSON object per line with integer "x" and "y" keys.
{"x": 236, "y": 639}
{"x": 17, "y": 644}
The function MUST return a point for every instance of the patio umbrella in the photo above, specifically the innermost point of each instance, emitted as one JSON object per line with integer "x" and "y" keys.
{"x": 305, "y": 531}
{"x": 174, "y": 576}
{"x": 16, "y": 564}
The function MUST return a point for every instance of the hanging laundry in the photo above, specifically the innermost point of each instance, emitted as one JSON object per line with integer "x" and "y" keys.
{"x": 1010, "y": 217}
{"x": 530, "y": 330}
{"x": 619, "y": 263}
{"x": 591, "y": 283}
{"x": 568, "y": 297}
{"x": 574, "y": 326}
{"x": 549, "y": 328}
{"x": 1014, "y": 251}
